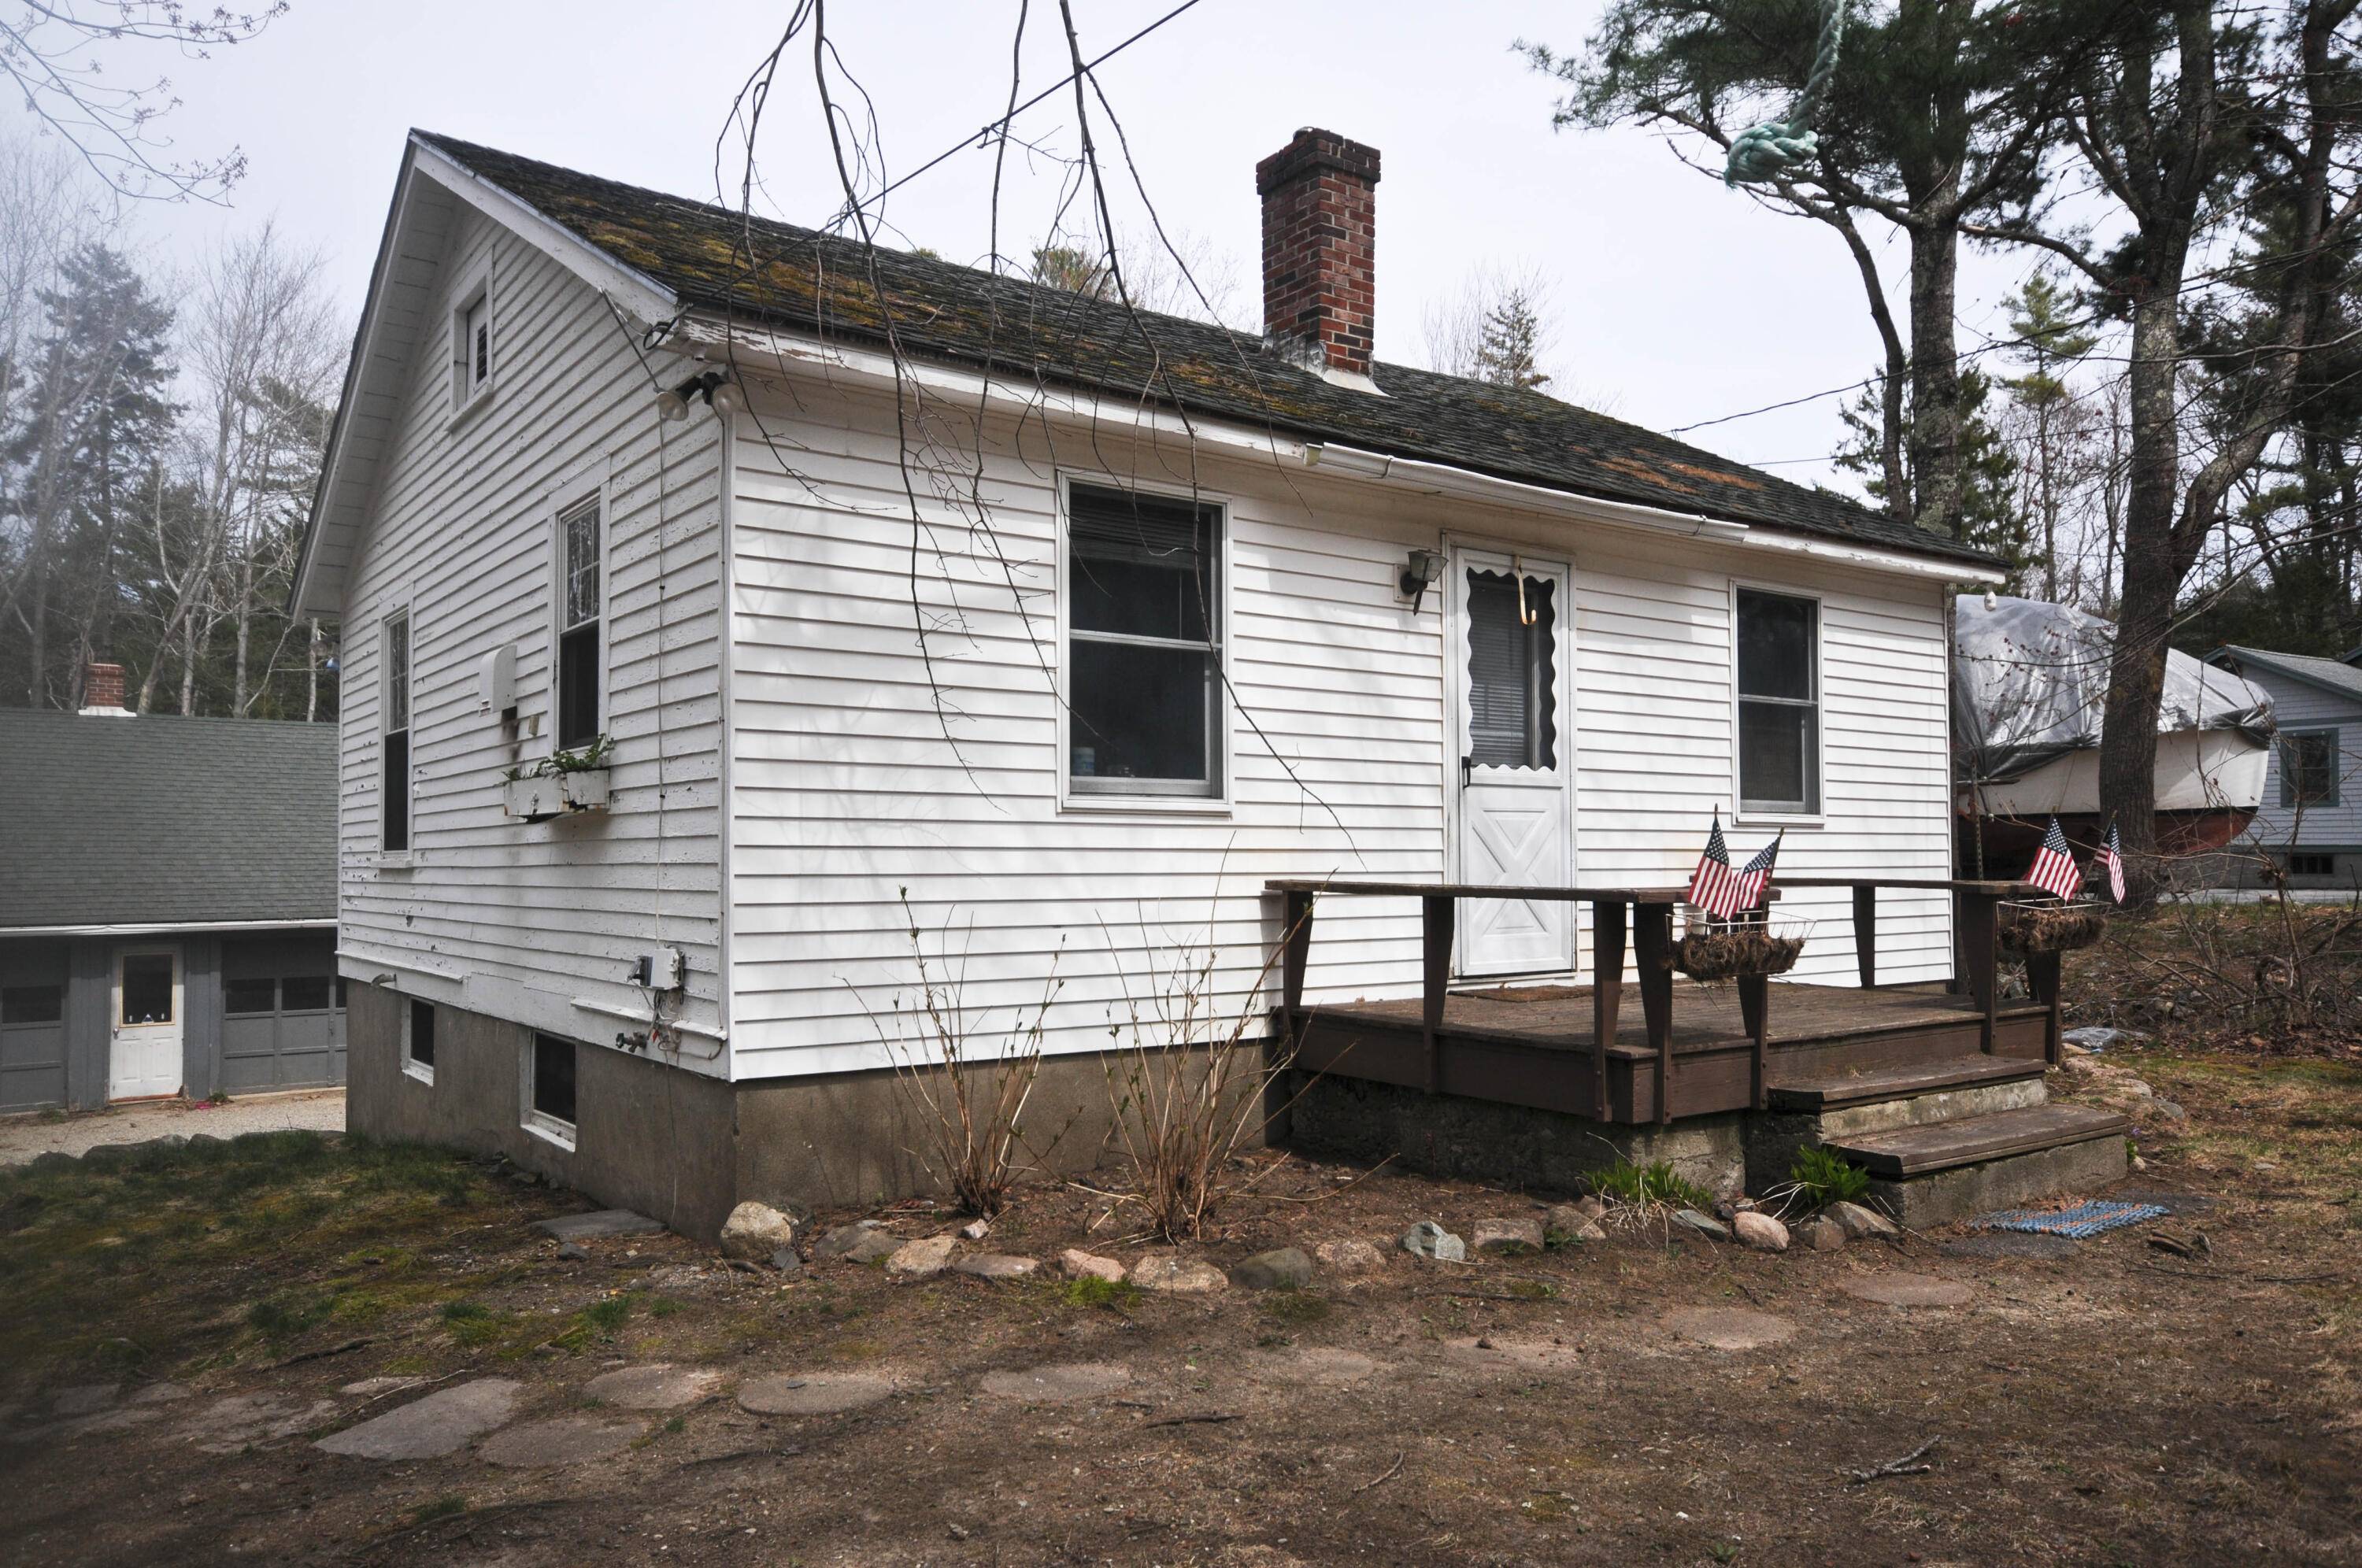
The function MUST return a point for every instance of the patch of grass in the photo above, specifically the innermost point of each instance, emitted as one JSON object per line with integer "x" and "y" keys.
{"x": 663, "y": 1306}
{"x": 675, "y": 1424}
{"x": 1642, "y": 1185}
{"x": 1823, "y": 1177}
{"x": 280, "y": 1317}
{"x": 1533, "y": 1290}
{"x": 1117, "y": 1295}
{"x": 440, "y": 1507}
{"x": 1295, "y": 1308}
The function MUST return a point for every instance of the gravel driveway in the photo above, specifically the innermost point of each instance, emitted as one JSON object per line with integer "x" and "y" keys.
{"x": 24, "y": 1137}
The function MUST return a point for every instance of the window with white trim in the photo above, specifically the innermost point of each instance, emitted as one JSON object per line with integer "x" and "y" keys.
{"x": 549, "y": 1088}
{"x": 580, "y": 610}
{"x": 418, "y": 1040}
{"x": 2309, "y": 767}
{"x": 1779, "y": 702}
{"x": 394, "y": 798}
{"x": 1144, "y": 644}
{"x": 471, "y": 345}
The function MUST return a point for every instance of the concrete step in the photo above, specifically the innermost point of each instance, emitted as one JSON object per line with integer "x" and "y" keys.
{"x": 1953, "y": 1170}
{"x": 1837, "y": 1090}
{"x": 1833, "y": 1108}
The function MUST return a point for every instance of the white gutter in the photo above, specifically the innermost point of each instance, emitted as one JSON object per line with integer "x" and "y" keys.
{"x": 169, "y": 928}
{"x": 793, "y": 353}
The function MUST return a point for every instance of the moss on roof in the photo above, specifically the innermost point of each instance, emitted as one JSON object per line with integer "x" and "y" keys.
{"x": 785, "y": 276}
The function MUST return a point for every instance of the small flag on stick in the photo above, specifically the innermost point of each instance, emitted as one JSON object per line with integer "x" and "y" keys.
{"x": 2055, "y": 871}
{"x": 1755, "y": 876}
{"x": 1713, "y": 889}
{"x": 2111, "y": 860}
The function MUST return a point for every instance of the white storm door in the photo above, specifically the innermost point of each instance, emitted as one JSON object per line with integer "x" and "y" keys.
{"x": 145, "y": 1060}
{"x": 1512, "y": 768}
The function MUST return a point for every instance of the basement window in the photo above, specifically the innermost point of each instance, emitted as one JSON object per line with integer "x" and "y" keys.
{"x": 2309, "y": 767}
{"x": 2312, "y": 864}
{"x": 1779, "y": 704}
{"x": 549, "y": 1089}
{"x": 395, "y": 703}
{"x": 418, "y": 1040}
{"x": 1145, "y": 643}
{"x": 579, "y": 609}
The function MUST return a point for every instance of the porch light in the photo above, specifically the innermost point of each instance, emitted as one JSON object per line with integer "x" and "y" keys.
{"x": 718, "y": 391}
{"x": 1420, "y": 572}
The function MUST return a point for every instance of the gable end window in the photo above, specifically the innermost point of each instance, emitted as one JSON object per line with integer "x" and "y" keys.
{"x": 579, "y": 609}
{"x": 1144, "y": 644}
{"x": 2309, "y": 767}
{"x": 1779, "y": 704}
{"x": 471, "y": 346}
{"x": 394, "y": 834}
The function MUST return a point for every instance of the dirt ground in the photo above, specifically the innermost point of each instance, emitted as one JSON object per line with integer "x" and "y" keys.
{"x": 183, "y": 1328}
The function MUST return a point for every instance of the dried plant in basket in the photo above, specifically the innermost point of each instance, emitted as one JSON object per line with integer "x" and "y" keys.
{"x": 1711, "y": 951}
{"x": 2049, "y": 928}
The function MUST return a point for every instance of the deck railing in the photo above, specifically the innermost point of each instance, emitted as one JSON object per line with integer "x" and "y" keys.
{"x": 1648, "y": 914}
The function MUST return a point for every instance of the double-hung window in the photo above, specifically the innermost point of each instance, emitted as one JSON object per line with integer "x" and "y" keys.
{"x": 395, "y": 796}
{"x": 579, "y": 609}
{"x": 1779, "y": 704}
{"x": 1144, "y": 644}
{"x": 2309, "y": 767}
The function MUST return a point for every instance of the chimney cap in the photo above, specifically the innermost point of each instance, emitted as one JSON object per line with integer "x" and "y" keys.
{"x": 1312, "y": 150}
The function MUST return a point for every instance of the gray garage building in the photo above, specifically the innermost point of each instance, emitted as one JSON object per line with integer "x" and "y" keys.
{"x": 167, "y": 908}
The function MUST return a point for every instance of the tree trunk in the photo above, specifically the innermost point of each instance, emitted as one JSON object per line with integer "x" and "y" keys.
{"x": 1935, "y": 371}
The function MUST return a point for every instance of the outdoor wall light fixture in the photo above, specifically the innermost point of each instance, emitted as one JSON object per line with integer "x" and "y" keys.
{"x": 717, "y": 391}
{"x": 1422, "y": 570}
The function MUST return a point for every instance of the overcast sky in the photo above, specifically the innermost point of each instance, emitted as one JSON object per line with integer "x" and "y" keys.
{"x": 1676, "y": 301}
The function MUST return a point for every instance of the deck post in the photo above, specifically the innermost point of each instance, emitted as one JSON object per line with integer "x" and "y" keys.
{"x": 1979, "y": 919}
{"x": 1653, "y": 948}
{"x": 1606, "y": 993}
{"x": 1435, "y": 934}
{"x": 1865, "y": 933}
{"x": 1298, "y": 935}
{"x": 1754, "y": 1010}
{"x": 2042, "y": 979}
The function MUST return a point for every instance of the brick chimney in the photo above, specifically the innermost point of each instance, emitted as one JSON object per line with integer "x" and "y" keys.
{"x": 1320, "y": 242}
{"x": 102, "y": 688}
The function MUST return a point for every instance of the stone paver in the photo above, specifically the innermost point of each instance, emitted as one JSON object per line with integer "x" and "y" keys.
{"x": 23, "y": 1139}
{"x": 2014, "y": 1244}
{"x": 1351, "y": 1255}
{"x": 1906, "y": 1289}
{"x": 1505, "y": 1238}
{"x": 1059, "y": 1383}
{"x": 1076, "y": 1264}
{"x": 814, "y": 1393}
{"x": 659, "y": 1385}
{"x": 241, "y": 1420}
{"x": 995, "y": 1265}
{"x": 1312, "y": 1363}
{"x": 1178, "y": 1276}
{"x": 1282, "y": 1268}
{"x": 440, "y": 1423}
{"x": 1511, "y": 1353}
{"x": 599, "y": 1224}
{"x": 374, "y": 1388}
{"x": 1730, "y": 1328}
{"x": 925, "y": 1256}
{"x": 568, "y": 1440}
{"x": 87, "y": 1400}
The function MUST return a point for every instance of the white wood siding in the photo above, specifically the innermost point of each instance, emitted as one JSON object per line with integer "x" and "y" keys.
{"x": 525, "y": 920}
{"x": 845, "y": 792}
{"x": 2295, "y": 707}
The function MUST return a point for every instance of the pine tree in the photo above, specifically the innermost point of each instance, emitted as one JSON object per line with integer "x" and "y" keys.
{"x": 1509, "y": 348}
{"x": 1989, "y": 516}
{"x": 2047, "y": 341}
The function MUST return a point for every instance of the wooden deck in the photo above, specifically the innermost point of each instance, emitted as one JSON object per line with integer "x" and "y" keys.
{"x": 1536, "y": 1046}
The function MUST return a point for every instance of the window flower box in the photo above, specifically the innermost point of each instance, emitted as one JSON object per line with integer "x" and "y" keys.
{"x": 560, "y": 785}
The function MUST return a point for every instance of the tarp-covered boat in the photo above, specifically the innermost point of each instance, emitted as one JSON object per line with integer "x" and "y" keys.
{"x": 2029, "y": 690}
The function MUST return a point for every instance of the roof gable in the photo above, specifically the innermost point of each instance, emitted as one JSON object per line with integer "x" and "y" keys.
{"x": 2336, "y": 676}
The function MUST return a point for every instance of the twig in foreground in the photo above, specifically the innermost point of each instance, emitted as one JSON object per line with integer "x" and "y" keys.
{"x": 1391, "y": 1472}
{"x": 1909, "y": 1464}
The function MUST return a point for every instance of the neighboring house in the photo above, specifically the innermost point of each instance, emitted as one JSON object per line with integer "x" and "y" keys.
{"x": 167, "y": 905}
{"x": 1235, "y": 607}
{"x": 2311, "y": 816}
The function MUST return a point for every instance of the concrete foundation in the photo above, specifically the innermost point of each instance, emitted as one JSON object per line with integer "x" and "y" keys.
{"x": 1449, "y": 1135}
{"x": 1942, "y": 1197}
{"x": 684, "y": 1148}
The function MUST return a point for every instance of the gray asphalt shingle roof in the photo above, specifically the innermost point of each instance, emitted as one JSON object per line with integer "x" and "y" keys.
{"x": 2329, "y": 674}
{"x": 812, "y": 281}
{"x": 164, "y": 820}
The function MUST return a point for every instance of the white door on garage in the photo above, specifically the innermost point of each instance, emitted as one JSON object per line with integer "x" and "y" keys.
{"x": 145, "y": 1061}
{"x": 1514, "y": 801}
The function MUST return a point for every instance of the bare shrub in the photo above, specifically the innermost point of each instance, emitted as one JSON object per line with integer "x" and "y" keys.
{"x": 971, "y": 1100}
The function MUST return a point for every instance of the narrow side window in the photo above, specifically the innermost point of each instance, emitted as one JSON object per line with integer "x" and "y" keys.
{"x": 418, "y": 1040}
{"x": 471, "y": 345}
{"x": 580, "y": 607}
{"x": 395, "y": 706}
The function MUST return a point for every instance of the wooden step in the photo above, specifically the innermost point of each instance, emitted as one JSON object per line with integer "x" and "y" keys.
{"x": 1831, "y": 1091}
{"x": 1946, "y": 1145}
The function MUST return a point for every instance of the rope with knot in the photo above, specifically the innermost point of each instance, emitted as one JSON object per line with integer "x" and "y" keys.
{"x": 1762, "y": 153}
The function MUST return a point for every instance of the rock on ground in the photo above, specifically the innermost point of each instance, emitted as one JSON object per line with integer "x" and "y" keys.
{"x": 843, "y": 1240}
{"x": 1858, "y": 1222}
{"x": 441, "y": 1423}
{"x": 1076, "y": 1264}
{"x": 1760, "y": 1231}
{"x": 1178, "y": 1276}
{"x": 1428, "y": 1240}
{"x": 925, "y": 1256}
{"x": 1822, "y": 1234}
{"x": 995, "y": 1265}
{"x": 975, "y": 1230}
{"x": 659, "y": 1385}
{"x": 1702, "y": 1224}
{"x": 1507, "y": 1238}
{"x": 1568, "y": 1221}
{"x": 755, "y": 1230}
{"x": 1283, "y": 1268}
{"x": 597, "y": 1225}
{"x": 1351, "y": 1255}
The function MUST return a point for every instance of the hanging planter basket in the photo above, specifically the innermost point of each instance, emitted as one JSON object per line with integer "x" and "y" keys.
{"x": 2049, "y": 928}
{"x": 1714, "y": 950}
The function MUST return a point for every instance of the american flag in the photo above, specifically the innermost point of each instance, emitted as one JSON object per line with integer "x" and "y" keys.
{"x": 1756, "y": 875}
{"x": 2054, "y": 865}
{"x": 2112, "y": 856}
{"x": 1712, "y": 887}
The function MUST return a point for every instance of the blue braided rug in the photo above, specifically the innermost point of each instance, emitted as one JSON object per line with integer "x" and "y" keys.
{"x": 2078, "y": 1220}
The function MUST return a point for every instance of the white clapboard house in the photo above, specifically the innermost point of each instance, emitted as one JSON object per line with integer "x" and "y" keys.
{"x": 1073, "y": 625}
